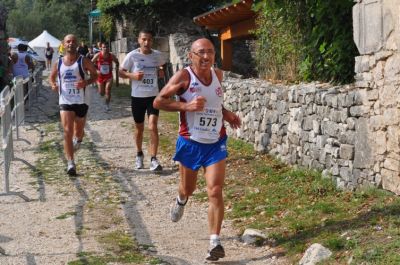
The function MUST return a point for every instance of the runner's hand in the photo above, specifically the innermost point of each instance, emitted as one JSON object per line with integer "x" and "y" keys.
{"x": 197, "y": 104}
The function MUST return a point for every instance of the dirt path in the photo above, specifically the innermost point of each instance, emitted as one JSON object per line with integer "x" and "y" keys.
{"x": 43, "y": 232}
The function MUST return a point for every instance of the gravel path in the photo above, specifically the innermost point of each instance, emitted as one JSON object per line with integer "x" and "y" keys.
{"x": 42, "y": 232}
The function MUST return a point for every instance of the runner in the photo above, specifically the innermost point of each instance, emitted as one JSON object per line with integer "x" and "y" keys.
{"x": 202, "y": 137}
{"x": 103, "y": 60}
{"x": 49, "y": 56}
{"x": 68, "y": 79}
{"x": 143, "y": 67}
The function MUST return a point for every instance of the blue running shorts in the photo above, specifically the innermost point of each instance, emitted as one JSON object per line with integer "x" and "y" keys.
{"x": 194, "y": 155}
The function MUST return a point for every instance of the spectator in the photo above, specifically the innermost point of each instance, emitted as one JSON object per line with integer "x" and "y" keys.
{"x": 48, "y": 52}
{"x": 83, "y": 49}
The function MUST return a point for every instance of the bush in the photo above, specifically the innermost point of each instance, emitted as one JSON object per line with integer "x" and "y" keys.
{"x": 305, "y": 40}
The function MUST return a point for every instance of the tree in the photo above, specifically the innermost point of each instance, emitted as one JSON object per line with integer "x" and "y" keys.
{"x": 28, "y": 18}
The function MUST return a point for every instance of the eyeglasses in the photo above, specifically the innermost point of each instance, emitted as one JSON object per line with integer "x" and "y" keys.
{"x": 202, "y": 53}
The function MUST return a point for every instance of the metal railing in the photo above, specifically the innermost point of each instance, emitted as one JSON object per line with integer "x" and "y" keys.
{"x": 12, "y": 114}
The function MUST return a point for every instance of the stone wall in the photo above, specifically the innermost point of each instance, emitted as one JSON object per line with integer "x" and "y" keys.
{"x": 377, "y": 36}
{"x": 312, "y": 125}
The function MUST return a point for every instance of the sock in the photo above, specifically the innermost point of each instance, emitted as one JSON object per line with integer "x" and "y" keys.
{"x": 153, "y": 157}
{"x": 140, "y": 153}
{"x": 181, "y": 201}
{"x": 215, "y": 240}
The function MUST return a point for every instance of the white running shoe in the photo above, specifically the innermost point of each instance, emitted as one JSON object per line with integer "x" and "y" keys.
{"x": 215, "y": 252}
{"x": 155, "y": 165}
{"x": 139, "y": 162}
{"x": 71, "y": 168}
{"x": 177, "y": 210}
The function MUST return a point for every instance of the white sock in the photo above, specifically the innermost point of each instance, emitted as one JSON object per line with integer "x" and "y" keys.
{"x": 181, "y": 201}
{"x": 215, "y": 240}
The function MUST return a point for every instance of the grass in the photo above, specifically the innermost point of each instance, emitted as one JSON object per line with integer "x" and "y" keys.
{"x": 296, "y": 207}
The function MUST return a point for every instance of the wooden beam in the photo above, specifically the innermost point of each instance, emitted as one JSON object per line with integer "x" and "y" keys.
{"x": 226, "y": 55}
{"x": 238, "y": 30}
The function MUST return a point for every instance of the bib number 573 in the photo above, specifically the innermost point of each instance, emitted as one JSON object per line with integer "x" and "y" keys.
{"x": 204, "y": 121}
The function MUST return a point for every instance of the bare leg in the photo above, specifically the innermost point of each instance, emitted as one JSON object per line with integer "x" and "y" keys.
{"x": 215, "y": 175}
{"x": 187, "y": 181}
{"x": 79, "y": 126}
{"x": 139, "y": 136}
{"x": 101, "y": 88}
{"x": 67, "y": 120}
{"x": 108, "y": 86}
{"x": 153, "y": 119}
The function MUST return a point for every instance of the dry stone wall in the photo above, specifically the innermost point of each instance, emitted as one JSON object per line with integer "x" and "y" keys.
{"x": 312, "y": 125}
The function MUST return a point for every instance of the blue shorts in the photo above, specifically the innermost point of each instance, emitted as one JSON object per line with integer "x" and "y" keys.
{"x": 194, "y": 155}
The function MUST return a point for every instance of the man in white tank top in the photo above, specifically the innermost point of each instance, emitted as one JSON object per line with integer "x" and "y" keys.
{"x": 202, "y": 136}
{"x": 67, "y": 77}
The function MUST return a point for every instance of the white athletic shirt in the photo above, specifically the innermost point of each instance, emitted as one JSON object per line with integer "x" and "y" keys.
{"x": 21, "y": 67}
{"x": 203, "y": 126}
{"x": 67, "y": 77}
{"x": 148, "y": 63}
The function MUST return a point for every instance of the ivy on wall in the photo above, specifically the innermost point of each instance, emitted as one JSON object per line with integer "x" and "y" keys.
{"x": 304, "y": 40}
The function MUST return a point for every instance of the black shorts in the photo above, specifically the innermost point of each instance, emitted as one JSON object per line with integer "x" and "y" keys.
{"x": 140, "y": 106}
{"x": 79, "y": 109}
{"x": 49, "y": 57}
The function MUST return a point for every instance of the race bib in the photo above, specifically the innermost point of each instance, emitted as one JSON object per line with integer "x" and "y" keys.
{"x": 149, "y": 80}
{"x": 104, "y": 69}
{"x": 207, "y": 124}
{"x": 72, "y": 92}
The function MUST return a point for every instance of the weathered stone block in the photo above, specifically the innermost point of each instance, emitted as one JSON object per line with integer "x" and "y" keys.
{"x": 346, "y": 151}
{"x": 363, "y": 156}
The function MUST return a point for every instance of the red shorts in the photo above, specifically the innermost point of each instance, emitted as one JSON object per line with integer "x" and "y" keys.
{"x": 104, "y": 78}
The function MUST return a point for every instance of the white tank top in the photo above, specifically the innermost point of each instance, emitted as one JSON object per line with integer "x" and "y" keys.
{"x": 67, "y": 77}
{"x": 21, "y": 67}
{"x": 203, "y": 126}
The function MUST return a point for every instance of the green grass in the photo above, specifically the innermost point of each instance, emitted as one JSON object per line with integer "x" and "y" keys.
{"x": 296, "y": 207}
{"x": 122, "y": 91}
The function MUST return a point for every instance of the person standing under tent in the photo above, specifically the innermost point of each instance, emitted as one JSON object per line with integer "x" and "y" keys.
{"x": 48, "y": 52}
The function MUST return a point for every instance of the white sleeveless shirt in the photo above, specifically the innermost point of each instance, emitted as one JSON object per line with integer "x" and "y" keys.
{"x": 21, "y": 67}
{"x": 203, "y": 126}
{"x": 67, "y": 77}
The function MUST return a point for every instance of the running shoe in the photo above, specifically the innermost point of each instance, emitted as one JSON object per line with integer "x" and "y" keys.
{"x": 155, "y": 165}
{"x": 76, "y": 144}
{"x": 139, "y": 162}
{"x": 177, "y": 210}
{"x": 215, "y": 252}
{"x": 108, "y": 108}
{"x": 71, "y": 168}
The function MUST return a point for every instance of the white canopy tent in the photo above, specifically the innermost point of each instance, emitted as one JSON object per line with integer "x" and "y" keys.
{"x": 39, "y": 44}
